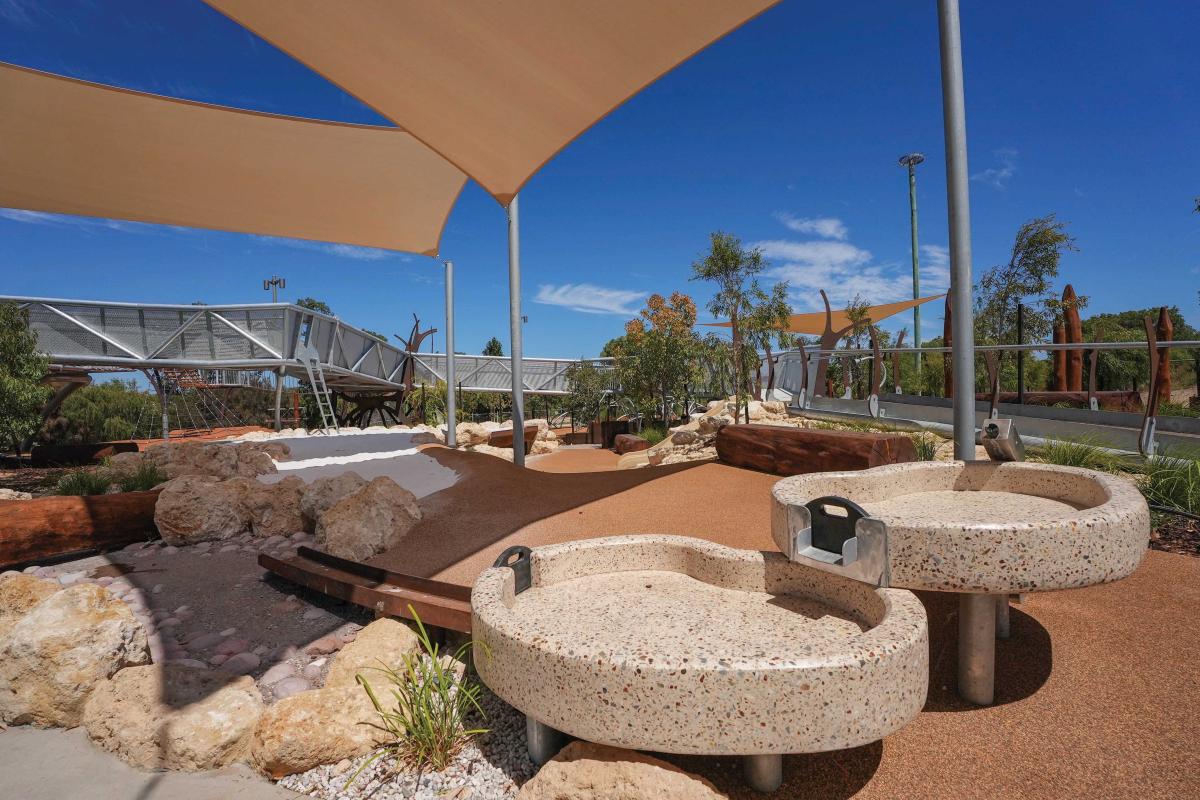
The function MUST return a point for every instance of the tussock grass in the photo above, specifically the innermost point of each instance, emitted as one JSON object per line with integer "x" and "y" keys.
{"x": 653, "y": 433}
{"x": 1172, "y": 479}
{"x": 143, "y": 479}
{"x": 84, "y": 482}
{"x": 926, "y": 444}
{"x": 1085, "y": 453}
{"x": 424, "y": 713}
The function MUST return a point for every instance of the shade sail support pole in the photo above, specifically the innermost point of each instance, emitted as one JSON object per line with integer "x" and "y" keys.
{"x": 451, "y": 399}
{"x": 959, "y": 213}
{"x": 278, "y": 399}
{"x": 514, "y": 326}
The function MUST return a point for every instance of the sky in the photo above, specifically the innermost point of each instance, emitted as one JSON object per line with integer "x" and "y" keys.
{"x": 786, "y": 133}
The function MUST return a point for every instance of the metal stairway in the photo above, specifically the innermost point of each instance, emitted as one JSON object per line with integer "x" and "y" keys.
{"x": 316, "y": 379}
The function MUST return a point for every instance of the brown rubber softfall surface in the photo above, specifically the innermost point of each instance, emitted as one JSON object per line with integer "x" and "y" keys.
{"x": 1097, "y": 690}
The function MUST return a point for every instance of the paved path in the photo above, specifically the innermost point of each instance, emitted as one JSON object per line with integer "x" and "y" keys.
{"x": 63, "y": 765}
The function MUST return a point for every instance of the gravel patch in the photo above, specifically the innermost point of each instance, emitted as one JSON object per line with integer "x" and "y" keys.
{"x": 492, "y": 766}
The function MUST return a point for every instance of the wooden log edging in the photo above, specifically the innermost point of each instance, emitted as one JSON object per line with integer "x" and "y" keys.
{"x": 52, "y": 527}
{"x": 797, "y": 451}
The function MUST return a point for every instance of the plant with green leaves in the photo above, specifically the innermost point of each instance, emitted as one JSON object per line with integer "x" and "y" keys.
{"x": 656, "y": 359}
{"x": 425, "y": 718}
{"x": 1085, "y": 452}
{"x": 1172, "y": 480}
{"x": 493, "y": 347}
{"x": 313, "y": 304}
{"x": 588, "y": 388}
{"x": 22, "y": 368}
{"x": 84, "y": 482}
{"x": 926, "y": 444}
{"x": 741, "y": 299}
{"x": 142, "y": 479}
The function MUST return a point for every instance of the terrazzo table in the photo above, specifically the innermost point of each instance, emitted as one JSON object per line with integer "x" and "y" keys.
{"x": 983, "y": 530}
{"x": 679, "y": 645}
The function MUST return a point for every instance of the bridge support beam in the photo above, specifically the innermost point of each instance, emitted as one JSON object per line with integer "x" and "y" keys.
{"x": 514, "y": 326}
{"x": 278, "y": 399}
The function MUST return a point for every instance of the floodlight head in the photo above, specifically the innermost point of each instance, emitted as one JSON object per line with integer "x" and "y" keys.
{"x": 911, "y": 160}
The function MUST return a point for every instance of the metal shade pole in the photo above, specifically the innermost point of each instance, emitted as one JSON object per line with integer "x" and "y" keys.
{"x": 451, "y": 399}
{"x": 976, "y": 612}
{"x": 514, "y": 327}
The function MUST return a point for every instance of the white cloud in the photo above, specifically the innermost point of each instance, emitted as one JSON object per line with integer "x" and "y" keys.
{"x": 999, "y": 176}
{"x": 334, "y": 249}
{"x": 825, "y": 227}
{"x": 590, "y": 299}
{"x": 70, "y": 221}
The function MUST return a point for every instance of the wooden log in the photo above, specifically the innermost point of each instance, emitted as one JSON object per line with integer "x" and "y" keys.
{"x": 1073, "y": 327}
{"x": 48, "y": 527}
{"x": 628, "y": 443}
{"x": 1165, "y": 331}
{"x": 70, "y": 455}
{"x": 796, "y": 451}
{"x": 504, "y": 437}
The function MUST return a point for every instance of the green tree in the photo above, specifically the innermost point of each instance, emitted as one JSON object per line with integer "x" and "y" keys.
{"x": 493, "y": 347}
{"x": 588, "y": 387}
{"x": 657, "y": 360}
{"x": 313, "y": 304}
{"x": 22, "y": 367}
{"x": 739, "y": 297}
{"x": 1026, "y": 278}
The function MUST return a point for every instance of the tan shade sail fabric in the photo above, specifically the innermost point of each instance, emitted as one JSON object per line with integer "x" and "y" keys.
{"x": 496, "y": 86}
{"x": 73, "y": 147}
{"x": 814, "y": 324}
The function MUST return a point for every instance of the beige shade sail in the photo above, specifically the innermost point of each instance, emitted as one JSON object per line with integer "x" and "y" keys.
{"x": 498, "y": 87}
{"x": 814, "y": 324}
{"x": 73, "y": 147}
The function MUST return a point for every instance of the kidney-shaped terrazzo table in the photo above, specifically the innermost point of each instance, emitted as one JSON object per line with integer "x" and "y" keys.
{"x": 984, "y": 530}
{"x": 680, "y": 645}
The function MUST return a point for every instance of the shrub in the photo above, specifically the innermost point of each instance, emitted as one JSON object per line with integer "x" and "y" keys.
{"x": 1085, "y": 453}
{"x": 83, "y": 482}
{"x": 1173, "y": 480}
{"x": 145, "y": 478}
{"x": 426, "y": 719}
{"x": 653, "y": 433}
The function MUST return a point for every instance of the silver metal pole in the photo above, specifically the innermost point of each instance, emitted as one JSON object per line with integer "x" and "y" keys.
{"x": 278, "y": 399}
{"x": 916, "y": 265}
{"x": 541, "y": 741}
{"x": 959, "y": 206}
{"x": 514, "y": 327}
{"x": 764, "y": 773}
{"x": 451, "y": 384}
{"x": 977, "y": 648}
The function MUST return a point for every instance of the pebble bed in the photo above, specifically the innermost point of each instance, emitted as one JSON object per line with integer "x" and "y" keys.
{"x": 492, "y": 765}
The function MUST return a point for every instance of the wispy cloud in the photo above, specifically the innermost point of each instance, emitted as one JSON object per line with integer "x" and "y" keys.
{"x": 69, "y": 221}
{"x": 590, "y": 299}
{"x": 23, "y": 13}
{"x": 999, "y": 176}
{"x": 825, "y": 227}
{"x": 845, "y": 270}
{"x": 334, "y": 249}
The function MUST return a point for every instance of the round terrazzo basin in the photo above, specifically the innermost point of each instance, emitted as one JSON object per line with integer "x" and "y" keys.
{"x": 996, "y": 528}
{"x": 984, "y": 530}
{"x": 680, "y": 645}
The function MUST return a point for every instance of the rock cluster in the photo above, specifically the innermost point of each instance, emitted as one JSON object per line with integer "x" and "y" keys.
{"x": 60, "y": 649}
{"x": 177, "y": 459}
{"x": 474, "y": 436}
{"x": 13, "y": 494}
{"x": 696, "y": 440}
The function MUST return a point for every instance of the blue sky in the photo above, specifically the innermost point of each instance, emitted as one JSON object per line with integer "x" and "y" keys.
{"x": 785, "y": 133}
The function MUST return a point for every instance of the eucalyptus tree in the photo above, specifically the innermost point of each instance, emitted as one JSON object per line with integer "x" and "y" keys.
{"x": 22, "y": 368}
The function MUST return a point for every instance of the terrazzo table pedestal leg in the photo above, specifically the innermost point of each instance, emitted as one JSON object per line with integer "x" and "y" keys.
{"x": 764, "y": 773}
{"x": 1002, "y": 624}
{"x": 542, "y": 741}
{"x": 977, "y": 647}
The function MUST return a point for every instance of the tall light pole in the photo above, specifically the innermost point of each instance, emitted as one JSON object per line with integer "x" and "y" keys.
{"x": 274, "y": 284}
{"x": 911, "y": 160}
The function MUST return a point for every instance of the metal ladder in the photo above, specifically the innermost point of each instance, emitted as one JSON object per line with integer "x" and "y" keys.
{"x": 316, "y": 379}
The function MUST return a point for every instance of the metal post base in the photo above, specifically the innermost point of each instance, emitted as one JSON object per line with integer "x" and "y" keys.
{"x": 1002, "y": 629}
{"x": 764, "y": 773}
{"x": 542, "y": 741}
{"x": 977, "y": 648}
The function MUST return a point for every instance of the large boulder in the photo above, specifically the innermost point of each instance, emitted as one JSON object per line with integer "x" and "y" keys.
{"x": 200, "y": 508}
{"x": 710, "y": 424}
{"x": 320, "y": 726}
{"x": 471, "y": 433}
{"x": 13, "y": 494}
{"x": 58, "y": 652}
{"x": 323, "y": 493}
{"x": 371, "y": 520}
{"x": 274, "y": 508}
{"x": 19, "y": 594}
{"x": 174, "y": 717}
{"x": 246, "y": 459}
{"x": 541, "y": 447}
{"x": 599, "y": 772}
{"x": 384, "y": 642}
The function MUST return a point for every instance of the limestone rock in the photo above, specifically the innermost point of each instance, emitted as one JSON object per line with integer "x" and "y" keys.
{"x": 369, "y": 521}
{"x": 634, "y": 460}
{"x": 543, "y": 446}
{"x": 323, "y": 493}
{"x": 19, "y": 594}
{"x": 274, "y": 508}
{"x": 682, "y": 456}
{"x": 708, "y": 425}
{"x": 471, "y": 433}
{"x": 13, "y": 494}
{"x": 200, "y": 508}
{"x": 382, "y": 643}
{"x": 320, "y": 726}
{"x": 178, "y": 459}
{"x": 599, "y": 772}
{"x": 174, "y": 717}
{"x": 505, "y": 453}
{"x": 59, "y": 651}
{"x": 684, "y": 437}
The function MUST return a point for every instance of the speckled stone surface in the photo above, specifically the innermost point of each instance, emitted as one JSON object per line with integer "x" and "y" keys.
{"x": 679, "y": 645}
{"x": 989, "y": 527}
